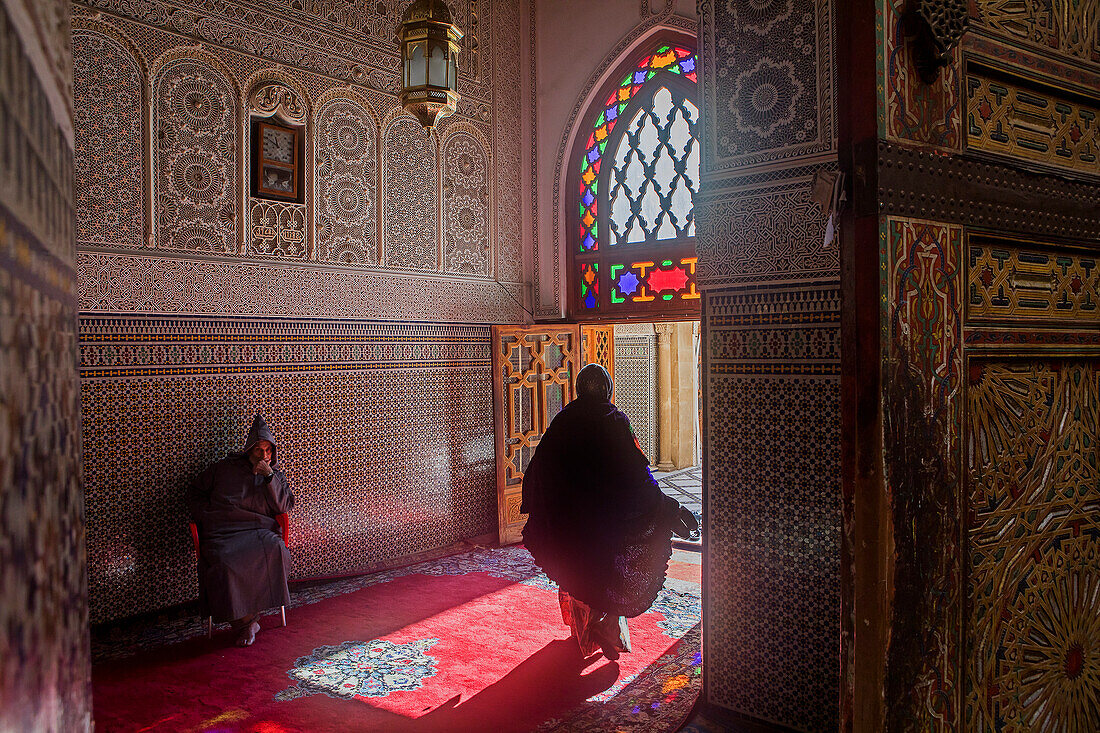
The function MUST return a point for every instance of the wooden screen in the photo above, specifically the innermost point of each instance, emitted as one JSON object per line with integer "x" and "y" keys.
{"x": 533, "y": 373}
{"x": 599, "y": 347}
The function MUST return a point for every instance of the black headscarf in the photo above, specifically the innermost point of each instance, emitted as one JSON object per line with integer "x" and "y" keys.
{"x": 593, "y": 382}
{"x": 598, "y": 524}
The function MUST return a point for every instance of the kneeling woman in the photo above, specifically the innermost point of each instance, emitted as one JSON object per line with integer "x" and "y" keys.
{"x": 597, "y": 523}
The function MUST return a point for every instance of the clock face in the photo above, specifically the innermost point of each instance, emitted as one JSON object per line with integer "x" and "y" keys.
{"x": 278, "y": 145}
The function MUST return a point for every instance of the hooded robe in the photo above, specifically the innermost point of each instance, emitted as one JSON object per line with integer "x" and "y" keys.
{"x": 243, "y": 562}
{"x": 598, "y": 523}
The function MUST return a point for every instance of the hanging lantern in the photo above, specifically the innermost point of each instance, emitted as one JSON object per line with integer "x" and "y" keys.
{"x": 429, "y": 60}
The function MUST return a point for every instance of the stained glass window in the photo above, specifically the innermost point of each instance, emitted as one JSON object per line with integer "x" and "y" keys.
{"x": 637, "y": 174}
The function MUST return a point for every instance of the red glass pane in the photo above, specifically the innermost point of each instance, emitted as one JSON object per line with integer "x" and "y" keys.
{"x": 671, "y": 279}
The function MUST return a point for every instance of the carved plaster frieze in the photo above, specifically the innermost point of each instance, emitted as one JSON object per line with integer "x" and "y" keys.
{"x": 277, "y": 100}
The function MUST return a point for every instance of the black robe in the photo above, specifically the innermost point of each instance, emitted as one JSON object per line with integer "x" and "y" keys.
{"x": 597, "y": 522}
{"x": 243, "y": 563}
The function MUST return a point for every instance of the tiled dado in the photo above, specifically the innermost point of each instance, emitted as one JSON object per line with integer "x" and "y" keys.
{"x": 782, "y": 331}
{"x": 162, "y": 397}
{"x": 773, "y": 503}
{"x": 125, "y": 346}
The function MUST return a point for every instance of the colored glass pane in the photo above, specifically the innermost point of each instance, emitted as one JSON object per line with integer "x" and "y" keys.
{"x": 590, "y": 285}
{"x": 628, "y": 283}
{"x": 671, "y": 59}
{"x": 671, "y": 279}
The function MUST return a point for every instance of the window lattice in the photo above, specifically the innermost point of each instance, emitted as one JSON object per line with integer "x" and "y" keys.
{"x": 636, "y": 178}
{"x": 655, "y": 174}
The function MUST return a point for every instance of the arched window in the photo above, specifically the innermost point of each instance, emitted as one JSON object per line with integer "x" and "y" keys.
{"x": 635, "y": 173}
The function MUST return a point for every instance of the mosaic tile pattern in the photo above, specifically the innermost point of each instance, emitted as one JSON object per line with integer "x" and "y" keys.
{"x": 636, "y": 388}
{"x": 44, "y": 653}
{"x": 144, "y": 370}
{"x": 771, "y": 404}
{"x": 773, "y": 506}
{"x": 164, "y": 398}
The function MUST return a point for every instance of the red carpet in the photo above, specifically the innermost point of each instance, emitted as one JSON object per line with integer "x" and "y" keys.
{"x": 460, "y": 650}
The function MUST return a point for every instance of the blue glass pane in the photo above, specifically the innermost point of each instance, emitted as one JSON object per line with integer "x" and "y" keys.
{"x": 628, "y": 283}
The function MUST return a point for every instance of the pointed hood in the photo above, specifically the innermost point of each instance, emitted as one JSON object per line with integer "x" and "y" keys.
{"x": 260, "y": 431}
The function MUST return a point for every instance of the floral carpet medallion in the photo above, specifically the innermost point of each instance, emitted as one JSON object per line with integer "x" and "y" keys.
{"x": 361, "y": 669}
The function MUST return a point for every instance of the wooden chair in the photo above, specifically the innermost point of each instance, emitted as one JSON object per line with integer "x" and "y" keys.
{"x": 284, "y": 530}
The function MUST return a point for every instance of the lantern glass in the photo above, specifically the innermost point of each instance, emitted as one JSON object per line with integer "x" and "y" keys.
{"x": 437, "y": 67}
{"x": 416, "y": 73}
{"x": 452, "y": 71}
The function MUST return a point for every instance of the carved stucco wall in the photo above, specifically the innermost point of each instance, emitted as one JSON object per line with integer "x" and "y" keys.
{"x": 771, "y": 334}
{"x": 44, "y": 651}
{"x": 356, "y": 321}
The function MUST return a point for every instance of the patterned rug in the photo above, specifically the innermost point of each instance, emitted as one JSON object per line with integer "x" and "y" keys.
{"x": 469, "y": 642}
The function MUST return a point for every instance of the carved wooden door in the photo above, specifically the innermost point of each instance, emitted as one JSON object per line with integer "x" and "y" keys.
{"x": 534, "y": 368}
{"x": 599, "y": 347}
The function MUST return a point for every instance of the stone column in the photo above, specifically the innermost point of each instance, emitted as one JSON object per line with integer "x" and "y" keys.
{"x": 665, "y": 397}
{"x": 685, "y": 412}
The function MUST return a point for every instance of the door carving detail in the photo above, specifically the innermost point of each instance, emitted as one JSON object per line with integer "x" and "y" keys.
{"x": 533, "y": 373}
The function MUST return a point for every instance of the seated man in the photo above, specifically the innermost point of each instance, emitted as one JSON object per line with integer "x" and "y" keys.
{"x": 598, "y": 524}
{"x": 244, "y": 563}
